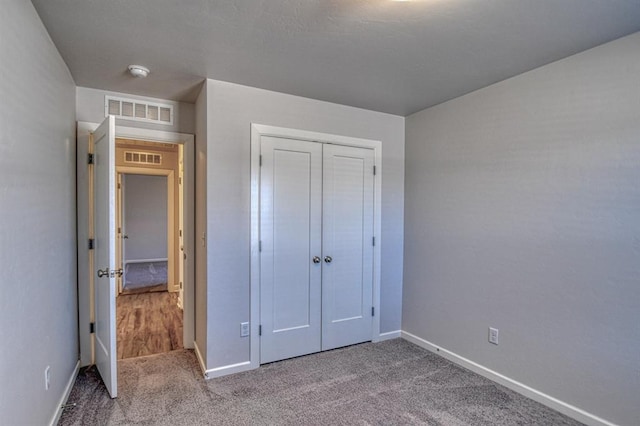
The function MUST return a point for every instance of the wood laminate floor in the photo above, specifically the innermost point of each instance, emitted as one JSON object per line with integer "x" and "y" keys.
{"x": 148, "y": 323}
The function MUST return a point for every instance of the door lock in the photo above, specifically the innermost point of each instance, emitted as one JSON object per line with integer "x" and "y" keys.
{"x": 109, "y": 274}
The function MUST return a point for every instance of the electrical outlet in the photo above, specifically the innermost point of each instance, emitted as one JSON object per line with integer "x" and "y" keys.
{"x": 493, "y": 335}
{"x": 244, "y": 329}
{"x": 47, "y": 377}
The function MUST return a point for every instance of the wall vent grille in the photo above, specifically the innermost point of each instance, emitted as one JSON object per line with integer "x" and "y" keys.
{"x": 136, "y": 157}
{"x": 137, "y": 110}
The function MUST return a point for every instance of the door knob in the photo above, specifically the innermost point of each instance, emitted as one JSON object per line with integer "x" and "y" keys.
{"x": 109, "y": 274}
{"x": 328, "y": 259}
{"x": 125, "y": 236}
{"x": 316, "y": 259}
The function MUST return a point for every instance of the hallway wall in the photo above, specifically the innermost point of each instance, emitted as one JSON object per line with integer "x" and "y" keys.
{"x": 38, "y": 309}
{"x": 145, "y": 216}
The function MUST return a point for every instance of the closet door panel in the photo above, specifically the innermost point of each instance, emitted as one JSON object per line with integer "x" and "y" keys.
{"x": 347, "y": 282}
{"x": 290, "y": 283}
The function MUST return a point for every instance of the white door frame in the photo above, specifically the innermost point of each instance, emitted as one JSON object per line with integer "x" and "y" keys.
{"x": 172, "y": 220}
{"x": 85, "y": 281}
{"x": 259, "y": 130}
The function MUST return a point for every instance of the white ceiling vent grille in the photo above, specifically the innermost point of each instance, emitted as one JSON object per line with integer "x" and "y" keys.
{"x": 136, "y": 110}
{"x": 137, "y": 157}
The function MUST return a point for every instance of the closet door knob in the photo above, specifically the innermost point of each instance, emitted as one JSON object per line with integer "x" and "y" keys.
{"x": 328, "y": 259}
{"x": 316, "y": 259}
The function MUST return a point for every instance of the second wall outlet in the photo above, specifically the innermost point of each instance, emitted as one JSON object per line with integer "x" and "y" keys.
{"x": 493, "y": 335}
{"x": 244, "y": 329}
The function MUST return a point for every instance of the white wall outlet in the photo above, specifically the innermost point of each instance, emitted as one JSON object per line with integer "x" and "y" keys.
{"x": 47, "y": 377}
{"x": 244, "y": 329}
{"x": 493, "y": 335}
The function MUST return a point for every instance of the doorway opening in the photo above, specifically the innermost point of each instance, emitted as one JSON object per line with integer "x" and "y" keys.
{"x": 149, "y": 228}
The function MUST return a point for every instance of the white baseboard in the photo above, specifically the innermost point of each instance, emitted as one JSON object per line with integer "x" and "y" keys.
{"x": 65, "y": 395}
{"x": 389, "y": 335}
{"x": 220, "y": 371}
{"x": 228, "y": 369}
{"x": 203, "y": 366}
{"x": 551, "y": 402}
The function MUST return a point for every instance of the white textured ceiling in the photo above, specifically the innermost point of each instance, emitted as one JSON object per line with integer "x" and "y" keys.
{"x": 384, "y": 55}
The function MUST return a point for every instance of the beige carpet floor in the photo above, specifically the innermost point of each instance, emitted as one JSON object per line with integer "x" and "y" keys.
{"x": 388, "y": 383}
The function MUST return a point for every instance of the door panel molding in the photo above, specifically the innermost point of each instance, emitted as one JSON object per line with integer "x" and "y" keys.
{"x": 291, "y": 226}
{"x": 347, "y": 237}
{"x": 257, "y": 132}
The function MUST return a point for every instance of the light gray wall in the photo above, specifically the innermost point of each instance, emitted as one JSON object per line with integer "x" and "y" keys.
{"x": 522, "y": 212}
{"x": 231, "y": 109}
{"x": 38, "y": 302}
{"x": 145, "y": 216}
{"x": 90, "y": 108}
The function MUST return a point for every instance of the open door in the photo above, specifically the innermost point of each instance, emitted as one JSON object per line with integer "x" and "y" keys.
{"x": 104, "y": 196}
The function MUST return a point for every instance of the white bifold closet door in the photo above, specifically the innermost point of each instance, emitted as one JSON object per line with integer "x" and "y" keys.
{"x": 316, "y": 232}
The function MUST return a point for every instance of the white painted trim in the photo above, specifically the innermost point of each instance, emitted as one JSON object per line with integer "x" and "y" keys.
{"x": 221, "y": 371}
{"x": 65, "y": 395}
{"x": 389, "y": 335}
{"x": 203, "y": 367}
{"x": 551, "y": 402}
{"x": 160, "y": 259}
{"x": 172, "y": 281}
{"x": 84, "y": 291}
{"x": 225, "y": 370}
{"x": 304, "y": 135}
{"x": 259, "y": 130}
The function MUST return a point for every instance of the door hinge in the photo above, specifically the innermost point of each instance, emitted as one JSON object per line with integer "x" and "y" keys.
{"x": 259, "y": 245}
{"x": 374, "y": 170}
{"x": 180, "y": 285}
{"x": 260, "y": 330}
{"x": 92, "y": 243}
{"x": 92, "y": 327}
{"x": 260, "y": 160}
{"x": 179, "y": 181}
{"x": 373, "y": 311}
{"x": 90, "y": 159}
{"x": 373, "y": 241}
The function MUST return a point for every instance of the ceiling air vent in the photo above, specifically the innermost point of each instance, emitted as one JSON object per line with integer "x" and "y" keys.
{"x": 137, "y": 110}
{"x": 136, "y": 157}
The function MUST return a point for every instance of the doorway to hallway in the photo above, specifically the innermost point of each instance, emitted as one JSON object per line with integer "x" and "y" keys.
{"x": 149, "y": 228}
{"x": 99, "y": 268}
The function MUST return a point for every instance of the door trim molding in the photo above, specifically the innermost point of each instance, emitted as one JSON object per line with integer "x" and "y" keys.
{"x": 259, "y": 130}
{"x": 172, "y": 197}
{"x": 85, "y": 291}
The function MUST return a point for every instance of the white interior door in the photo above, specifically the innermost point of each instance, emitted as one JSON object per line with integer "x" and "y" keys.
{"x": 104, "y": 193}
{"x": 347, "y": 246}
{"x": 290, "y": 234}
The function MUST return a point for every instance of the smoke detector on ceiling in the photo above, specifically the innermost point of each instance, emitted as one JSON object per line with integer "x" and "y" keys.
{"x": 138, "y": 71}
